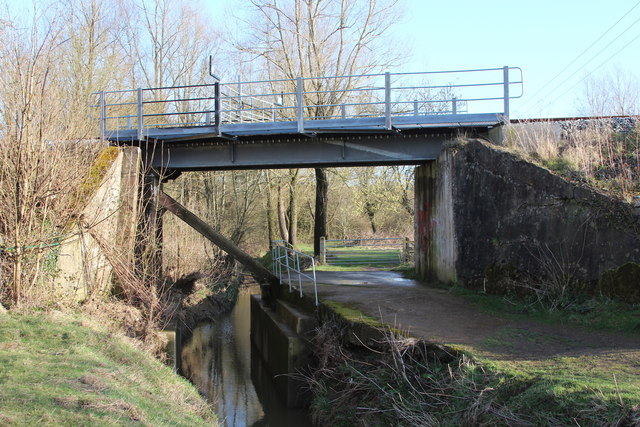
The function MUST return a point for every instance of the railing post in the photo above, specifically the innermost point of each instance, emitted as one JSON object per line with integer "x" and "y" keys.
{"x": 505, "y": 72}
{"x": 323, "y": 250}
{"x": 103, "y": 116}
{"x": 140, "y": 115}
{"x": 239, "y": 100}
{"x": 343, "y": 109}
{"x": 300, "y": 104}
{"x": 216, "y": 105}
{"x": 387, "y": 100}
{"x": 207, "y": 118}
{"x": 415, "y": 107}
{"x": 454, "y": 105}
{"x": 286, "y": 257}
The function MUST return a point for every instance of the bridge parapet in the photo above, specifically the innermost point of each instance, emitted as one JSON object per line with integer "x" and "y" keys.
{"x": 331, "y": 104}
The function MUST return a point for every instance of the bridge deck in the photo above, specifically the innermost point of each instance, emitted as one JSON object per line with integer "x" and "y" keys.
{"x": 260, "y": 130}
{"x": 345, "y": 120}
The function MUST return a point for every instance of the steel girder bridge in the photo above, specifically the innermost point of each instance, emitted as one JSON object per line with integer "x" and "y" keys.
{"x": 376, "y": 119}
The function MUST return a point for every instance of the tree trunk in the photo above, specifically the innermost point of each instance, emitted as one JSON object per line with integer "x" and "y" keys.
{"x": 293, "y": 207}
{"x": 271, "y": 226}
{"x": 282, "y": 217}
{"x": 320, "y": 217}
{"x": 370, "y": 210}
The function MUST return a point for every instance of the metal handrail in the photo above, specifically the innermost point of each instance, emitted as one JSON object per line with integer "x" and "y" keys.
{"x": 385, "y": 95}
{"x": 286, "y": 260}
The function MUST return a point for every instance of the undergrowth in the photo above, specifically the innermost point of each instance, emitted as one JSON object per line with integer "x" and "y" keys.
{"x": 407, "y": 382}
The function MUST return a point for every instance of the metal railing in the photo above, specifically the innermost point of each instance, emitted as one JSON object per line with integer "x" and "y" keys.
{"x": 381, "y": 251}
{"x": 289, "y": 265}
{"x": 302, "y": 100}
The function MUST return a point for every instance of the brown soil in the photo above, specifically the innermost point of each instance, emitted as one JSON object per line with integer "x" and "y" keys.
{"x": 436, "y": 315}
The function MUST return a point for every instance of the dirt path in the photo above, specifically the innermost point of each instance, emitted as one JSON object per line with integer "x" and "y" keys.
{"x": 437, "y": 315}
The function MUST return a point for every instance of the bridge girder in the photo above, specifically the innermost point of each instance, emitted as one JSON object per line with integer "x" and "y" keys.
{"x": 299, "y": 151}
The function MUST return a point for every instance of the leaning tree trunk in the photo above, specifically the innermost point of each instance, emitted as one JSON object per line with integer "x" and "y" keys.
{"x": 322, "y": 200}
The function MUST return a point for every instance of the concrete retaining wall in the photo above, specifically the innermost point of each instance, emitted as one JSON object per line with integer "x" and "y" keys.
{"x": 108, "y": 220}
{"x": 483, "y": 213}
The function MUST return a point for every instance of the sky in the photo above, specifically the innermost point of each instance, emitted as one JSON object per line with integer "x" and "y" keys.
{"x": 558, "y": 44}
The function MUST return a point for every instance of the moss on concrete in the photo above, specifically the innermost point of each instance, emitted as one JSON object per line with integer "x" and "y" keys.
{"x": 98, "y": 170}
{"x": 622, "y": 282}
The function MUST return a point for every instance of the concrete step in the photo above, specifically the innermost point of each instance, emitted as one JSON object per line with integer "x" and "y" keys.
{"x": 298, "y": 320}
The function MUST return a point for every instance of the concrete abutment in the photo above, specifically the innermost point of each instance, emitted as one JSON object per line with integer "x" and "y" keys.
{"x": 485, "y": 217}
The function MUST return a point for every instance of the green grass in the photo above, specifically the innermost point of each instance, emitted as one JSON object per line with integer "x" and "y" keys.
{"x": 63, "y": 370}
{"x": 353, "y": 315}
{"x": 595, "y": 312}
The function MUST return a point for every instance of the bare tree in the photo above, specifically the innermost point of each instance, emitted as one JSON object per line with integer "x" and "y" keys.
{"x": 613, "y": 93}
{"x": 168, "y": 41}
{"x": 316, "y": 38}
{"x": 42, "y": 160}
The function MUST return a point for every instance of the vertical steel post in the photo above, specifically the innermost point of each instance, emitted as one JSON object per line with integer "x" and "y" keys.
{"x": 140, "y": 115}
{"x": 239, "y": 100}
{"x": 387, "y": 100}
{"x": 415, "y": 107}
{"x": 454, "y": 105}
{"x": 505, "y": 72}
{"x": 300, "y": 104}
{"x": 343, "y": 109}
{"x": 103, "y": 117}
{"x": 216, "y": 106}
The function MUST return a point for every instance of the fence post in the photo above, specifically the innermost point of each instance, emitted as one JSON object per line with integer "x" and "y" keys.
{"x": 387, "y": 100}
{"x": 323, "y": 250}
{"x": 454, "y": 105}
{"x": 505, "y": 72}
{"x": 300, "y": 104}
{"x": 103, "y": 116}
{"x": 406, "y": 250}
{"x": 140, "y": 115}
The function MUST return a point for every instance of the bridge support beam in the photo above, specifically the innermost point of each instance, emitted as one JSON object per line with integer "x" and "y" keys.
{"x": 262, "y": 275}
{"x": 148, "y": 248}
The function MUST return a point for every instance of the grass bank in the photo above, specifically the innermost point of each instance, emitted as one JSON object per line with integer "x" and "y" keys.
{"x": 61, "y": 369}
{"x": 406, "y": 382}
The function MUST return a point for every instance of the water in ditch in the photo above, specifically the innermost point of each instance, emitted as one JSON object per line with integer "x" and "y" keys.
{"x": 221, "y": 362}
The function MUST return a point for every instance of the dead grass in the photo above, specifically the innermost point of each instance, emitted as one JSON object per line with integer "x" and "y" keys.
{"x": 409, "y": 382}
{"x": 602, "y": 153}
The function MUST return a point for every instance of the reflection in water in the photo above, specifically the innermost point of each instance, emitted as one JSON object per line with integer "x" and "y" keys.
{"x": 218, "y": 360}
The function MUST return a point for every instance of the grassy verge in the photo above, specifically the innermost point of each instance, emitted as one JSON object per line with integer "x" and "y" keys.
{"x": 63, "y": 370}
